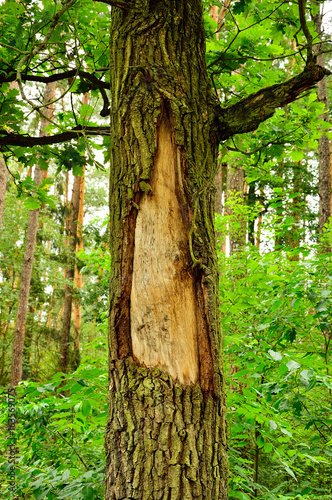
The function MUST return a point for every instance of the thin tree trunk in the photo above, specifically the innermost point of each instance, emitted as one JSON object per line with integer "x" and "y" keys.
{"x": 235, "y": 184}
{"x": 3, "y": 184}
{"x": 78, "y": 282}
{"x": 324, "y": 146}
{"x": 22, "y": 306}
{"x": 166, "y": 434}
{"x": 69, "y": 274}
{"x": 293, "y": 236}
{"x": 259, "y": 224}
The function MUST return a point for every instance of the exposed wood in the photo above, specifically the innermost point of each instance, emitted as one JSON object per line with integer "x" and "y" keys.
{"x": 163, "y": 302}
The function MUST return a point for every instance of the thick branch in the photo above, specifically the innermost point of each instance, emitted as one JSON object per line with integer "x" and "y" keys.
{"x": 247, "y": 114}
{"x": 10, "y": 139}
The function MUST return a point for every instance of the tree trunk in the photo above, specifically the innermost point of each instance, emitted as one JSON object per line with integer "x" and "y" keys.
{"x": 324, "y": 146}
{"x": 235, "y": 185}
{"x": 166, "y": 434}
{"x": 78, "y": 282}
{"x": 69, "y": 275}
{"x": 3, "y": 184}
{"x": 22, "y": 306}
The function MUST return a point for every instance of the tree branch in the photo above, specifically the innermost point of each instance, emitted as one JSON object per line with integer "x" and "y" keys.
{"x": 247, "y": 114}
{"x": 95, "y": 83}
{"x": 56, "y": 77}
{"x": 305, "y": 30}
{"x": 117, "y": 3}
{"x": 11, "y": 139}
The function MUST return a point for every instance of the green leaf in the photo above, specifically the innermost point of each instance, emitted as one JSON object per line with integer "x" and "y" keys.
{"x": 87, "y": 492}
{"x": 86, "y": 407}
{"x": 293, "y": 365}
{"x": 273, "y": 426}
{"x": 268, "y": 447}
{"x": 277, "y": 356}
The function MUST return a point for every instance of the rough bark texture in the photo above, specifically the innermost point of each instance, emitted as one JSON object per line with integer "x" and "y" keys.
{"x": 3, "y": 184}
{"x": 165, "y": 441}
{"x": 22, "y": 306}
{"x": 324, "y": 146}
{"x": 164, "y": 148}
{"x": 70, "y": 273}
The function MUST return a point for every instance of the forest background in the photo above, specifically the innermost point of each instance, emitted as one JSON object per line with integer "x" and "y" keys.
{"x": 274, "y": 244}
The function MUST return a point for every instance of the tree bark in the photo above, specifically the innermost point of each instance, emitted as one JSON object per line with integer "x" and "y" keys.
{"x": 3, "y": 184}
{"x": 324, "y": 146}
{"x": 23, "y": 299}
{"x": 78, "y": 282}
{"x": 166, "y": 434}
{"x": 69, "y": 275}
{"x": 235, "y": 185}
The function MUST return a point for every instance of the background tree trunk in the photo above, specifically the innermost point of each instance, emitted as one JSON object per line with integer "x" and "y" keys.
{"x": 324, "y": 146}
{"x": 78, "y": 282}
{"x": 3, "y": 184}
{"x": 22, "y": 306}
{"x": 235, "y": 185}
{"x": 164, "y": 329}
{"x": 69, "y": 275}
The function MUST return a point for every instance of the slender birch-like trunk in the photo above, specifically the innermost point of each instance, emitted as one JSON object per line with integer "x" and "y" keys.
{"x": 22, "y": 306}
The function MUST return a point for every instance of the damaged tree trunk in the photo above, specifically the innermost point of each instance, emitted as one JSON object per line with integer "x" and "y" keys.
{"x": 166, "y": 431}
{"x": 166, "y": 435}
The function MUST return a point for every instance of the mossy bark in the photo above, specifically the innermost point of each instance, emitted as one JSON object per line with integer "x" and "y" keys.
{"x": 162, "y": 104}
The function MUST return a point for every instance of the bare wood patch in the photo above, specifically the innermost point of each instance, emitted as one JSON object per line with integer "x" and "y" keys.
{"x": 163, "y": 299}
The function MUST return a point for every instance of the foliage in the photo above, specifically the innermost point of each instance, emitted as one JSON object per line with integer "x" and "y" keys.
{"x": 276, "y": 301}
{"x": 276, "y": 319}
{"x": 60, "y": 432}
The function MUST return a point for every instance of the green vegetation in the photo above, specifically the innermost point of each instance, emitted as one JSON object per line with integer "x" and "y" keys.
{"x": 275, "y": 284}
